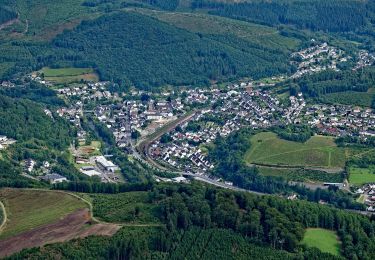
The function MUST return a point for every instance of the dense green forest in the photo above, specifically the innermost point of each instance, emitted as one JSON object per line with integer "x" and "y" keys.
{"x": 198, "y": 221}
{"x": 333, "y": 16}
{"x": 169, "y": 5}
{"x": 162, "y": 54}
{"x": 147, "y": 52}
{"x": 365, "y": 161}
{"x": 355, "y": 98}
{"x": 296, "y": 133}
{"x": 34, "y": 91}
{"x": 24, "y": 120}
{"x": 100, "y": 187}
{"x": 6, "y": 14}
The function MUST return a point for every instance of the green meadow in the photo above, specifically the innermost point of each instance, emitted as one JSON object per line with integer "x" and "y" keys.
{"x": 360, "y": 176}
{"x": 318, "y": 151}
{"x": 69, "y": 75}
{"x": 323, "y": 239}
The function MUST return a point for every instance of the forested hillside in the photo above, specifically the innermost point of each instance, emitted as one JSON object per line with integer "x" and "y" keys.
{"x": 333, "y": 16}
{"x": 331, "y": 82}
{"x": 24, "y": 120}
{"x": 135, "y": 49}
{"x": 345, "y": 87}
{"x": 194, "y": 53}
{"x": 37, "y": 137}
{"x": 161, "y": 53}
{"x": 167, "y": 5}
{"x": 6, "y": 14}
{"x": 206, "y": 222}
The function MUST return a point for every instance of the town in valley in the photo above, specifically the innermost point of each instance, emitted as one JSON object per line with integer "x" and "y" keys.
{"x": 170, "y": 131}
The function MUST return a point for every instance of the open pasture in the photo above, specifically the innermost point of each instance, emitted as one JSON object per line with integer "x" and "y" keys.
{"x": 69, "y": 75}
{"x": 319, "y": 151}
{"x": 323, "y": 239}
{"x": 360, "y": 176}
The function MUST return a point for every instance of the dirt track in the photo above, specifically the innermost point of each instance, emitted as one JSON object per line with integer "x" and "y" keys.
{"x": 2, "y": 224}
{"x": 69, "y": 227}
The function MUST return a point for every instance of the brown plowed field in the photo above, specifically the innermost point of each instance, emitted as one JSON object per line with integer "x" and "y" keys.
{"x": 69, "y": 227}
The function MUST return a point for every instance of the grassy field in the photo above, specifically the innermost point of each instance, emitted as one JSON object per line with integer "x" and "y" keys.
{"x": 69, "y": 75}
{"x": 124, "y": 207}
{"x": 361, "y": 199}
{"x": 318, "y": 151}
{"x": 48, "y": 72}
{"x": 360, "y": 176}
{"x": 323, "y": 239}
{"x": 28, "y": 209}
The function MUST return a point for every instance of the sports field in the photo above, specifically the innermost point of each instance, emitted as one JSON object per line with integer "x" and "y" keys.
{"x": 323, "y": 239}
{"x": 318, "y": 151}
{"x": 360, "y": 176}
{"x": 28, "y": 209}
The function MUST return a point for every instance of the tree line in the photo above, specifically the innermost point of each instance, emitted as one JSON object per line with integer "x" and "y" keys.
{"x": 100, "y": 187}
{"x": 296, "y": 133}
